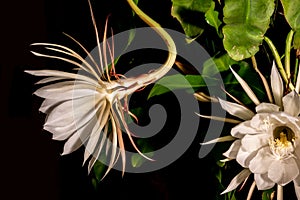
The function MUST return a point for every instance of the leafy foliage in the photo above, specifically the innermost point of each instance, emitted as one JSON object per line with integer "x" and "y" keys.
{"x": 292, "y": 15}
{"x": 189, "y": 14}
{"x": 246, "y": 23}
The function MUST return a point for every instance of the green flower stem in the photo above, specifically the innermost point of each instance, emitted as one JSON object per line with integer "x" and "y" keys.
{"x": 296, "y": 70}
{"x": 287, "y": 60}
{"x": 278, "y": 62}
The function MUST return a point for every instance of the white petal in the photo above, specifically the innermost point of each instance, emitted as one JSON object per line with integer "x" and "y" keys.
{"x": 283, "y": 171}
{"x": 267, "y": 108}
{"x": 276, "y": 85}
{"x": 291, "y": 103}
{"x": 263, "y": 182}
{"x": 233, "y": 150}
{"x": 254, "y": 142}
{"x": 297, "y": 155}
{"x": 243, "y": 129}
{"x": 237, "y": 180}
{"x": 49, "y": 79}
{"x": 244, "y": 157}
{"x": 61, "y": 74}
{"x": 262, "y": 122}
{"x": 261, "y": 162}
{"x": 220, "y": 139}
{"x": 66, "y": 90}
{"x": 246, "y": 88}
{"x": 97, "y": 131}
{"x": 79, "y": 137}
{"x": 78, "y": 112}
{"x": 236, "y": 110}
{"x": 297, "y": 190}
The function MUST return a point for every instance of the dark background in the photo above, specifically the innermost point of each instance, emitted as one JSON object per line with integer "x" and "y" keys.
{"x": 31, "y": 165}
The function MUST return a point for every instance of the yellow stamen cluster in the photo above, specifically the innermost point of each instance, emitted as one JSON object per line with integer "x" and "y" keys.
{"x": 281, "y": 147}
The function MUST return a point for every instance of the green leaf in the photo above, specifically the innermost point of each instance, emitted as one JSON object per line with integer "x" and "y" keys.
{"x": 246, "y": 23}
{"x": 136, "y": 159}
{"x": 292, "y": 16}
{"x": 266, "y": 195}
{"x": 189, "y": 13}
{"x": 218, "y": 64}
{"x": 99, "y": 170}
{"x": 212, "y": 18}
{"x": 179, "y": 81}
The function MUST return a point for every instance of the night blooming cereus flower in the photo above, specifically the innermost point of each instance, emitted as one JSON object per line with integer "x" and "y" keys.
{"x": 267, "y": 142}
{"x": 90, "y": 108}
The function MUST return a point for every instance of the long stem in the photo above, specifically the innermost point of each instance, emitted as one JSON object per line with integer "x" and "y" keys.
{"x": 163, "y": 69}
{"x": 287, "y": 59}
{"x": 279, "y": 63}
{"x": 296, "y": 70}
{"x": 279, "y": 192}
{"x": 264, "y": 80}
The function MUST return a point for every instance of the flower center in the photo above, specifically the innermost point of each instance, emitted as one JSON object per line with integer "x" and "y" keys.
{"x": 282, "y": 144}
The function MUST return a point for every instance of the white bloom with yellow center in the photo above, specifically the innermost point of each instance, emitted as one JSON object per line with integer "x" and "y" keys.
{"x": 267, "y": 142}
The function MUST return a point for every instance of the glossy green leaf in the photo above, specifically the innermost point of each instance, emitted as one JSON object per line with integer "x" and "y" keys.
{"x": 136, "y": 159}
{"x": 246, "y": 23}
{"x": 266, "y": 195}
{"x": 189, "y": 14}
{"x": 218, "y": 64}
{"x": 212, "y": 18}
{"x": 291, "y": 11}
{"x": 178, "y": 81}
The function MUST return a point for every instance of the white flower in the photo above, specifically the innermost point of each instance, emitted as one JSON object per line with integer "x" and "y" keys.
{"x": 267, "y": 142}
{"x": 89, "y": 107}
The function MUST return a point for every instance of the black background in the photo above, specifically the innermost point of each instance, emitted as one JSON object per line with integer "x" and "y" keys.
{"x": 31, "y": 165}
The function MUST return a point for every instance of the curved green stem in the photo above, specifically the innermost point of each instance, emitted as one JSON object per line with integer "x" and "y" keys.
{"x": 162, "y": 70}
{"x": 287, "y": 59}
{"x": 278, "y": 62}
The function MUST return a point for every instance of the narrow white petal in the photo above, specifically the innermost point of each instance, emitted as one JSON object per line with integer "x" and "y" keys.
{"x": 97, "y": 154}
{"x": 246, "y": 88}
{"x": 49, "y": 79}
{"x": 220, "y": 139}
{"x": 267, "y": 108}
{"x": 297, "y": 190}
{"x": 237, "y": 180}
{"x": 263, "y": 182}
{"x": 233, "y": 150}
{"x": 97, "y": 130}
{"x": 291, "y": 103}
{"x": 61, "y": 115}
{"x": 79, "y": 137}
{"x": 283, "y": 171}
{"x": 276, "y": 85}
{"x": 78, "y": 112}
{"x": 236, "y": 110}
{"x": 61, "y": 74}
{"x": 66, "y": 90}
